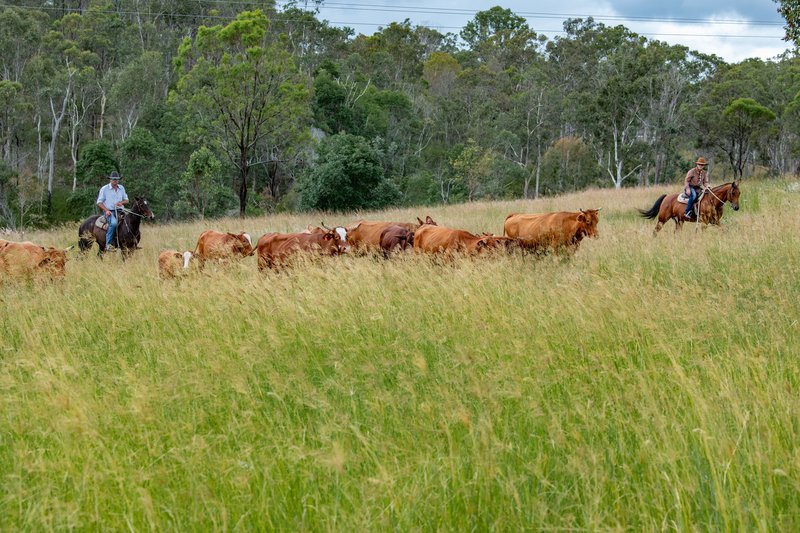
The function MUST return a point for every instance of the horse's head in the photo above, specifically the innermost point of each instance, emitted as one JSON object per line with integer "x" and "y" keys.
{"x": 733, "y": 195}
{"x": 141, "y": 207}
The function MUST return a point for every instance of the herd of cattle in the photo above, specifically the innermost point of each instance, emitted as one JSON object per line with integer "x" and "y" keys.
{"x": 524, "y": 232}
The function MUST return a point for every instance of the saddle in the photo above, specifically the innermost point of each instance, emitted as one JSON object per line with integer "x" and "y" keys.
{"x": 102, "y": 221}
{"x": 684, "y": 199}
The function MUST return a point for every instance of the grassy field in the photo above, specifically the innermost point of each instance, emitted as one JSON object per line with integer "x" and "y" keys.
{"x": 644, "y": 384}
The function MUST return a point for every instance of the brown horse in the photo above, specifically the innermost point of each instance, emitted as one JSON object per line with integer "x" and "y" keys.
{"x": 128, "y": 234}
{"x": 668, "y": 207}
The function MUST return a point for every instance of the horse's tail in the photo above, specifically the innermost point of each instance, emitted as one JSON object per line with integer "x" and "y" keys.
{"x": 653, "y": 211}
{"x": 85, "y": 236}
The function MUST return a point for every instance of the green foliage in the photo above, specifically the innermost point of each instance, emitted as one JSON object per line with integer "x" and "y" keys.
{"x": 203, "y": 193}
{"x": 247, "y": 90}
{"x": 568, "y": 166}
{"x": 332, "y": 113}
{"x": 790, "y": 10}
{"x": 96, "y": 163}
{"x": 347, "y": 175}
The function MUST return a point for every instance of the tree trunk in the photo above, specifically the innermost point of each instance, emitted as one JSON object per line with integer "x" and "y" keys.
{"x": 103, "y": 100}
{"x": 51, "y": 150}
{"x": 244, "y": 169}
{"x": 538, "y": 169}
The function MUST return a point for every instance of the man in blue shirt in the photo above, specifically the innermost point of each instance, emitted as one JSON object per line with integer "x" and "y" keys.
{"x": 110, "y": 198}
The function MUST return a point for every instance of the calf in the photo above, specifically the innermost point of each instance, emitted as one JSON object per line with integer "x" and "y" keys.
{"x": 172, "y": 263}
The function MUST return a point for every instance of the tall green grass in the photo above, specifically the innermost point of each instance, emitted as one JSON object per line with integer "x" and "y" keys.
{"x": 643, "y": 384}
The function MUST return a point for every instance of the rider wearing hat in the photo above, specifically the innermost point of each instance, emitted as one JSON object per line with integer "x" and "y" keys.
{"x": 110, "y": 198}
{"x": 695, "y": 180}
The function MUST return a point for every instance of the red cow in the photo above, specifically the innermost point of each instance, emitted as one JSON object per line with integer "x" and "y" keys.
{"x": 275, "y": 249}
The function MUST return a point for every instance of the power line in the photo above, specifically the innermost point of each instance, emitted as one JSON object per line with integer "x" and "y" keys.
{"x": 350, "y": 23}
{"x": 533, "y": 14}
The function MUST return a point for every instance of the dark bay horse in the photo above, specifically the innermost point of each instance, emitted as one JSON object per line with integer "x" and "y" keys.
{"x": 668, "y": 207}
{"x": 128, "y": 235}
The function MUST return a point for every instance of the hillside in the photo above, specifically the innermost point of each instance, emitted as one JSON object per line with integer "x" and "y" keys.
{"x": 646, "y": 383}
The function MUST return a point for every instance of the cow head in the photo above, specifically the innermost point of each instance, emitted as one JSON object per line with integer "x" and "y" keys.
{"x": 186, "y": 257}
{"x": 335, "y": 241}
{"x": 53, "y": 261}
{"x": 243, "y": 244}
{"x": 588, "y": 222}
{"x": 488, "y": 242}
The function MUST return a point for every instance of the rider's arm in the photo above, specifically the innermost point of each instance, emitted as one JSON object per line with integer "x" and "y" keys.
{"x": 101, "y": 198}
{"x": 687, "y": 179}
{"x": 124, "y": 197}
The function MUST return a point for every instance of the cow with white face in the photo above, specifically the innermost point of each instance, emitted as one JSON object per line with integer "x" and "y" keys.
{"x": 170, "y": 261}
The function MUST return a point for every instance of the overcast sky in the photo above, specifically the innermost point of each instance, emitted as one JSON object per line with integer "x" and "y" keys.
{"x": 732, "y": 29}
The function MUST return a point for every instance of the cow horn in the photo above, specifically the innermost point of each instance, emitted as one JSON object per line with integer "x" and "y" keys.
{"x": 70, "y": 248}
{"x": 322, "y": 223}
{"x": 581, "y": 210}
{"x": 598, "y": 209}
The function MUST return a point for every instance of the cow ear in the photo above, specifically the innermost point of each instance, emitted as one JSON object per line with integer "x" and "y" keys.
{"x": 582, "y": 216}
{"x": 328, "y": 236}
{"x": 429, "y": 220}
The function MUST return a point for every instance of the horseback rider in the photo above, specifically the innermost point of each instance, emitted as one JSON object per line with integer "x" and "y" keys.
{"x": 111, "y": 197}
{"x": 696, "y": 179}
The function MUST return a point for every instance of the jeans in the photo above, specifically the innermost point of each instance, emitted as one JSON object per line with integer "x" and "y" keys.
{"x": 112, "y": 228}
{"x": 692, "y": 199}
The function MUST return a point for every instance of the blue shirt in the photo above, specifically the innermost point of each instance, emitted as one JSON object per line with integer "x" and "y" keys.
{"x": 109, "y": 197}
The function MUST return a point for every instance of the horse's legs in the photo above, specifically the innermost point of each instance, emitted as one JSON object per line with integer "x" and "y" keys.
{"x": 659, "y": 225}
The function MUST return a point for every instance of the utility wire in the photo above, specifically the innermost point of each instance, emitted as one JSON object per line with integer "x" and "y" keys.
{"x": 532, "y": 14}
{"x": 350, "y": 23}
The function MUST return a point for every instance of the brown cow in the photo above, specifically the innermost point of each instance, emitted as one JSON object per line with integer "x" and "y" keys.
{"x": 365, "y": 235}
{"x": 439, "y": 239}
{"x": 394, "y": 237}
{"x": 171, "y": 263}
{"x": 215, "y": 245}
{"x": 559, "y": 230}
{"x": 275, "y": 249}
{"x": 27, "y": 259}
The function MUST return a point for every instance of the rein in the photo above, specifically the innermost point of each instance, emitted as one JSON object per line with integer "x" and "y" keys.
{"x": 709, "y": 189}
{"x": 125, "y": 210}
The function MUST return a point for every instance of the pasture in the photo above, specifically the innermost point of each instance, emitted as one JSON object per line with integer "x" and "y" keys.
{"x": 644, "y": 384}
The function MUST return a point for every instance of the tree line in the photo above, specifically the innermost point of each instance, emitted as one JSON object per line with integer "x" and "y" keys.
{"x": 211, "y": 108}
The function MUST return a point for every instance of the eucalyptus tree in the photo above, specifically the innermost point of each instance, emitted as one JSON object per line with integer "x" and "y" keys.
{"x": 608, "y": 92}
{"x": 500, "y": 36}
{"x": 742, "y": 119}
{"x": 790, "y": 10}
{"x": 21, "y": 32}
{"x": 242, "y": 88}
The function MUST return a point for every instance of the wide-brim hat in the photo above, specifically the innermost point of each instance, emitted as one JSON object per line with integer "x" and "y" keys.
{"x": 701, "y": 161}
{"x": 114, "y": 175}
